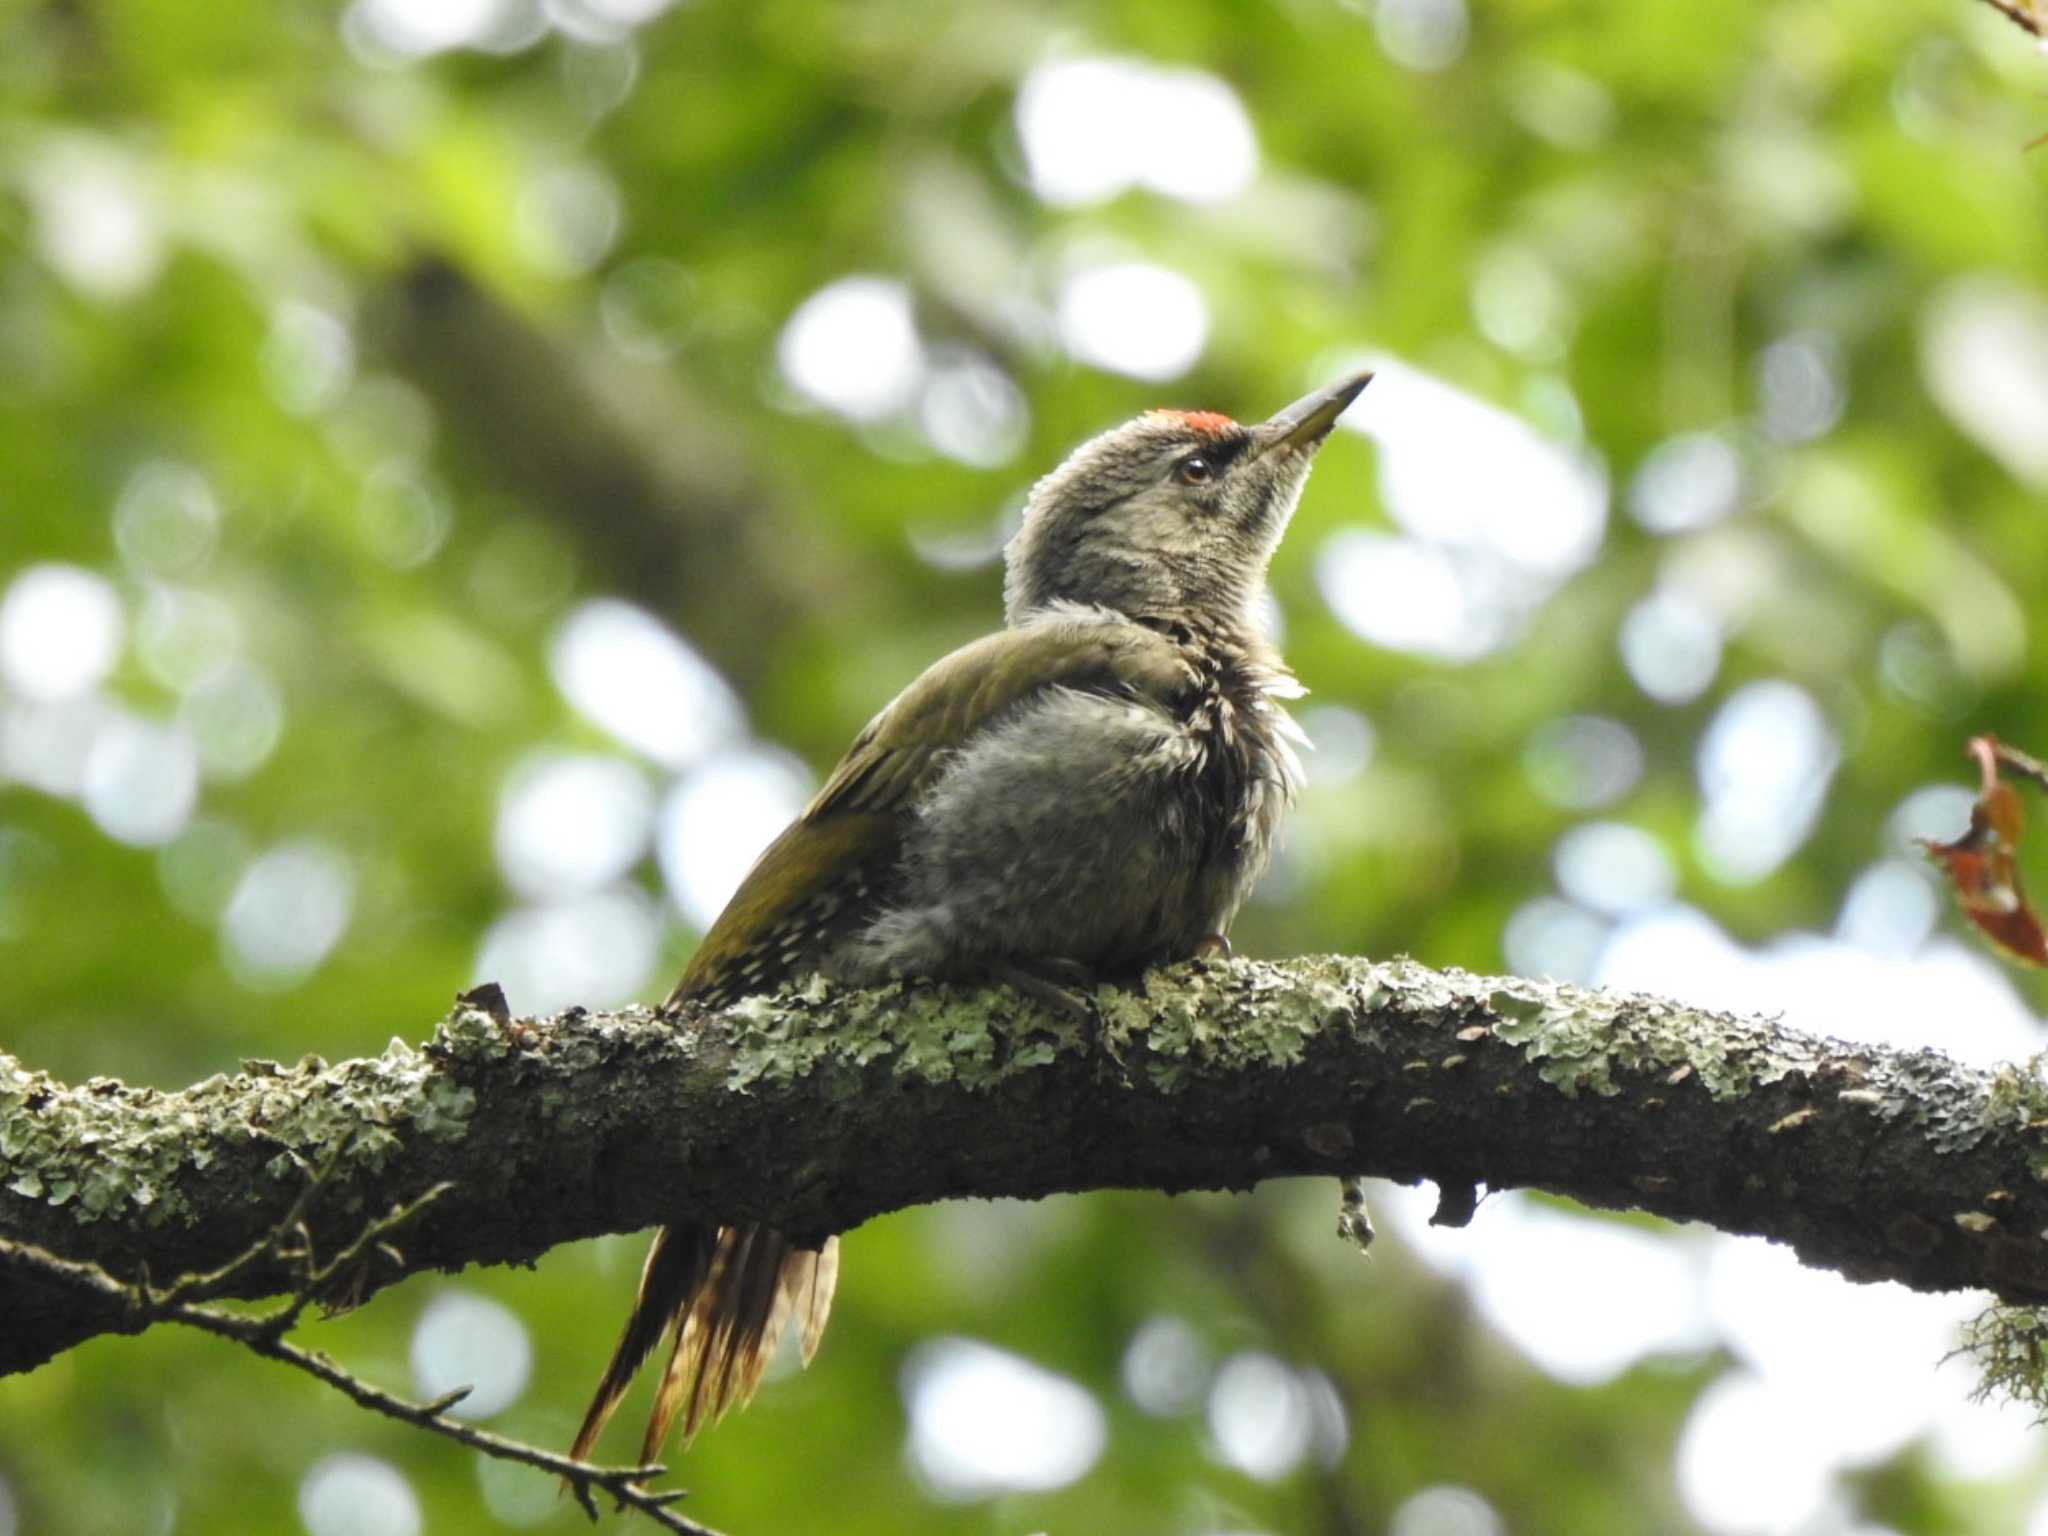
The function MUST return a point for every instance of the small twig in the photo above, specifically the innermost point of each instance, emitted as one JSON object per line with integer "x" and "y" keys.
{"x": 2021, "y": 14}
{"x": 212, "y": 1282}
{"x": 621, "y": 1484}
{"x": 318, "y": 1277}
{"x": 2019, "y": 762}
{"x": 264, "y": 1334}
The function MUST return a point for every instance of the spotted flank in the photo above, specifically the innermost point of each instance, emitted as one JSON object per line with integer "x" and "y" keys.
{"x": 792, "y": 946}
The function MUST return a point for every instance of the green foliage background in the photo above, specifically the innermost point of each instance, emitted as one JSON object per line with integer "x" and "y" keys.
{"x": 1750, "y": 169}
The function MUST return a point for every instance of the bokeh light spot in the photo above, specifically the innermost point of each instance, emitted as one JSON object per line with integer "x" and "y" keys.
{"x": 1259, "y": 1416}
{"x": 1342, "y": 743}
{"x": 1891, "y": 909}
{"x": 1984, "y": 351}
{"x": 1445, "y": 1511}
{"x": 853, "y": 348}
{"x": 183, "y": 635}
{"x": 1548, "y": 936}
{"x": 1671, "y": 646}
{"x": 96, "y": 219}
{"x": 308, "y": 358}
{"x": 236, "y": 716}
{"x": 1764, "y": 766}
{"x": 649, "y": 306}
{"x": 1520, "y": 305}
{"x": 1800, "y": 389}
{"x": 1687, "y": 483}
{"x": 595, "y": 950}
{"x": 141, "y": 781}
{"x": 290, "y": 908}
{"x": 972, "y": 412}
{"x": 515, "y": 1493}
{"x": 1404, "y": 594}
{"x": 567, "y": 218}
{"x": 1613, "y": 868}
{"x": 165, "y": 519}
{"x": 1422, "y": 35}
{"x": 1746, "y": 1461}
{"x": 350, "y": 1494}
{"x": 571, "y": 823}
{"x": 984, "y": 1421}
{"x": 60, "y": 631}
{"x": 1133, "y": 318}
{"x": 1094, "y": 127}
{"x": 202, "y": 865}
{"x": 1497, "y": 516}
{"x": 466, "y": 1340}
{"x": 631, "y": 674}
{"x": 46, "y": 745}
{"x": 1165, "y": 1368}
{"x": 416, "y": 28}
{"x": 404, "y": 518}
{"x": 1583, "y": 762}
{"x": 716, "y": 822}
{"x": 1583, "y": 1297}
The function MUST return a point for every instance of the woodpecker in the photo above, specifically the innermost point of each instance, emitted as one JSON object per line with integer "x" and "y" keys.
{"x": 1088, "y": 791}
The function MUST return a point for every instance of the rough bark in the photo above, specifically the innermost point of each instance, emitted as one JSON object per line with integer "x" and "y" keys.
{"x": 817, "y": 1109}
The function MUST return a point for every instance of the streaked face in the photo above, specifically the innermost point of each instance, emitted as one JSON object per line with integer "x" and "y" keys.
{"x": 1175, "y": 511}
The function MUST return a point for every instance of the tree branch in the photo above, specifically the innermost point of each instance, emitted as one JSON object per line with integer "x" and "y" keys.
{"x": 814, "y": 1110}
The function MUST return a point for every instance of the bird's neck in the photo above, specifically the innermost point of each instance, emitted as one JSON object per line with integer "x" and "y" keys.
{"x": 1231, "y": 648}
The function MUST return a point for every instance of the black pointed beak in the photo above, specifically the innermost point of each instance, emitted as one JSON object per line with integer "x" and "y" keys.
{"x": 1304, "y": 424}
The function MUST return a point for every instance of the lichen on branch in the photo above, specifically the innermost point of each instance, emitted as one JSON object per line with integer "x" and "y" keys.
{"x": 818, "y": 1107}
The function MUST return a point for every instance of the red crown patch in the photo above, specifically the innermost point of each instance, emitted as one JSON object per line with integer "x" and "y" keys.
{"x": 1201, "y": 423}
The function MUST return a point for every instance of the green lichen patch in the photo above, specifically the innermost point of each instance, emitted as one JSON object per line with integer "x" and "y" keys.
{"x": 2016, "y": 1096}
{"x": 1207, "y": 1014}
{"x": 471, "y": 1033}
{"x": 933, "y": 1034}
{"x": 778, "y": 1037}
{"x": 102, "y": 1149}
{"x": 1243, "y": 1016}
{"x": 1589, "y": 1042}
{"x": 1575, "y": 1047}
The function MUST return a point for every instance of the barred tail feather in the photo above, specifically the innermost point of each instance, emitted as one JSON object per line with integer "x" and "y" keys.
{"x": 758, "y": 1281}
{"x": 813, "y": 1291}
{"x": 726, "y": 1294}
{"x": 673, "y": 1275}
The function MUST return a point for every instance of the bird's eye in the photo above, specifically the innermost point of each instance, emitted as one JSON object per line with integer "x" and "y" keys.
{"x": 1195, "y": 470}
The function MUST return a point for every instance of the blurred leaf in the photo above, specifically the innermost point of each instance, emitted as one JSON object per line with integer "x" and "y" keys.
{"x": 1983, "y": 864}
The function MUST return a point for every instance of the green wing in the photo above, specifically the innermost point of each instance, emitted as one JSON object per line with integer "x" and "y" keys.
{"x": 856, "y": 818}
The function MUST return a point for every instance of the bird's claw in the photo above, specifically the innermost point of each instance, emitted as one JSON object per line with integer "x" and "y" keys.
{"x": 1053, "y": 983}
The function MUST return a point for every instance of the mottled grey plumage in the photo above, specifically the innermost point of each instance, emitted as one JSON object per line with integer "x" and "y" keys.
{"x": 1092, "y": 789}
{"x": 1103, "y": 831}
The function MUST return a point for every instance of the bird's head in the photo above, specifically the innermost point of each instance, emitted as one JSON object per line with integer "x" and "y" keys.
{"x": 1174, "y": 513}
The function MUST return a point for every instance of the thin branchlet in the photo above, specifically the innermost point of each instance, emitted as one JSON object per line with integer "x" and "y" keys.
{"x": 182, "y": 1301}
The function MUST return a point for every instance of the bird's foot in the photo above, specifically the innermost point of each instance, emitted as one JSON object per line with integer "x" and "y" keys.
{"x": 1067, "y": 988}
{"x": 1057, "y": 984}
{"x": 1212, "y": 946}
